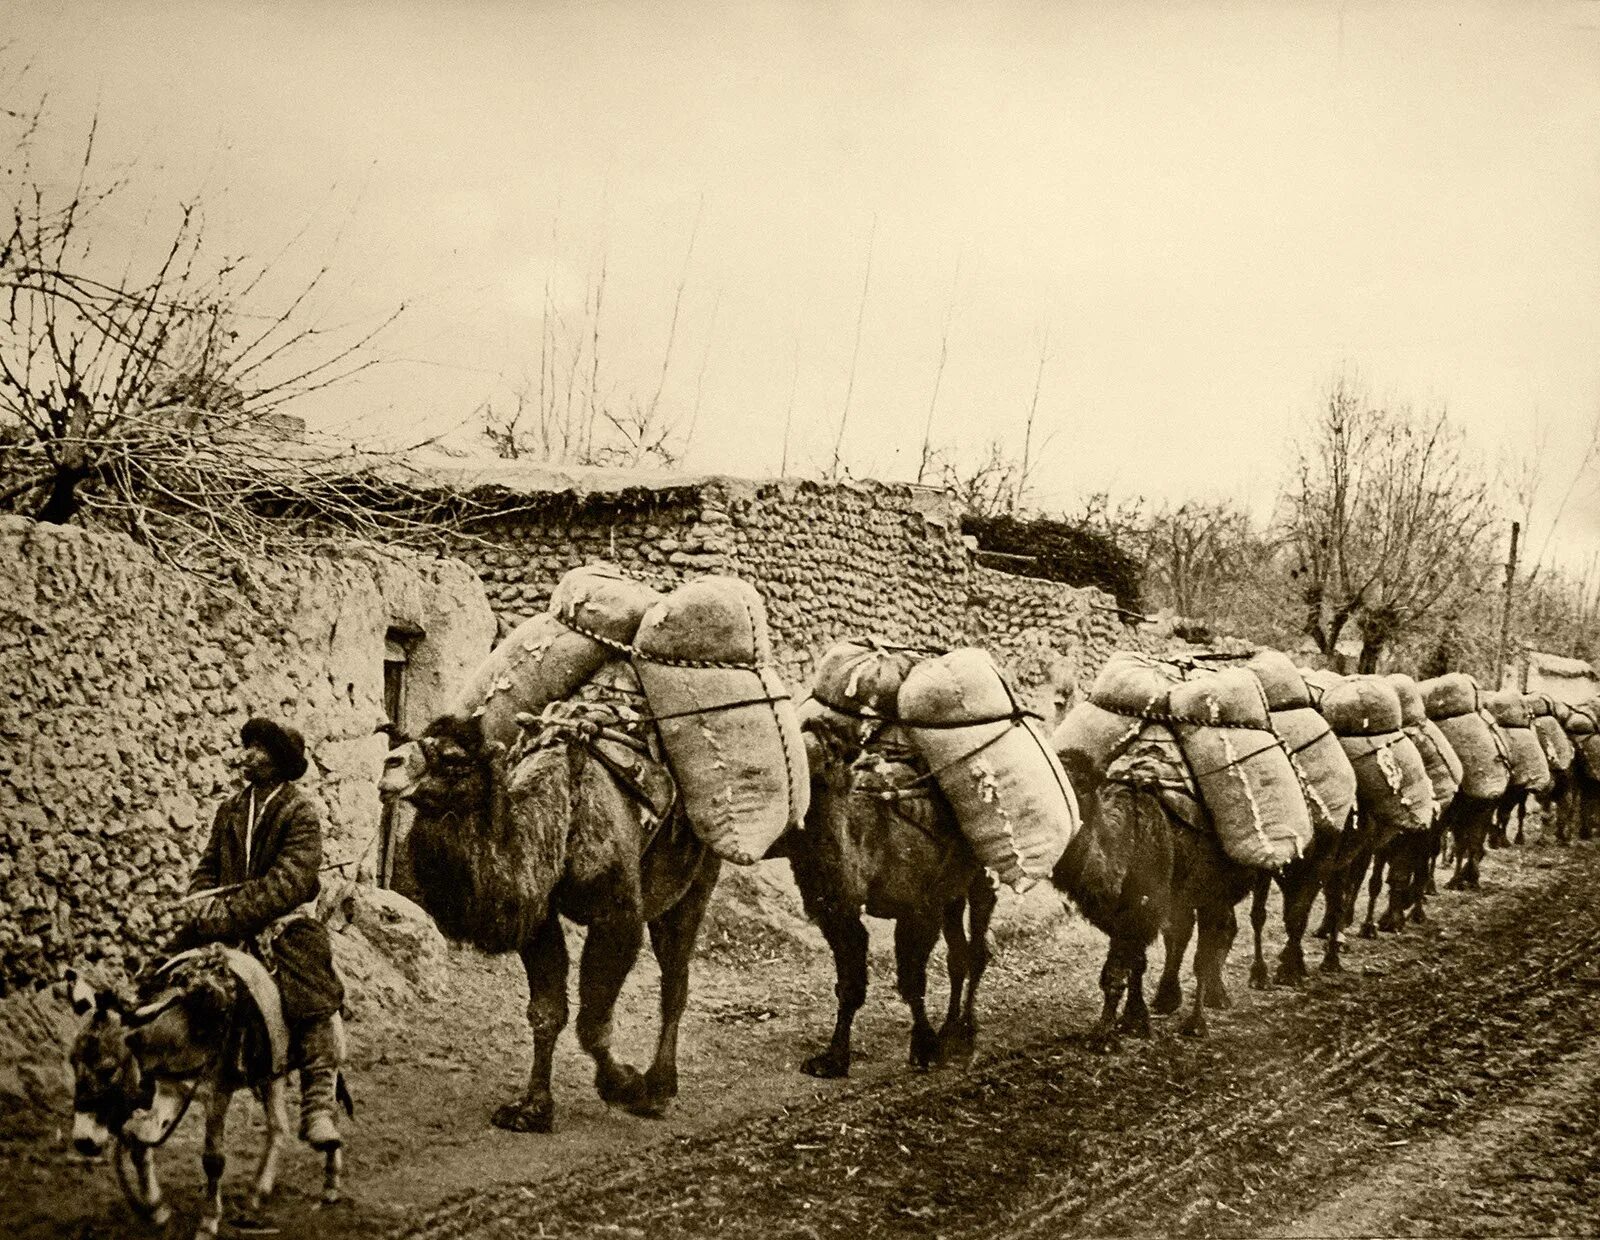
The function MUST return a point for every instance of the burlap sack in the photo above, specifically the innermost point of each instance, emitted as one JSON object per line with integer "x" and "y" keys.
{"x": 1392, "y": 784}
{"x": 1283, "y": 683}
{"x": 1558, "y": 749}
{"x": 1010, "y": 795}
{"x": 541, "y": 661}
{"x": 1133, "y": 684}
{"x": 729, "y": 730}
{"x": 1447, "y": 696}
{"x": 1094, "y": 736}
{"x": 1362, "y": 706}
{"x": 1507, "y": 708}
{"x": 862, "y": 677}
{"x": 1319, "y": 680}
{"x": 1485, "y": 770}
{"x": 1412, "y": 708}
{"x": 1326, "y": 776}
{"x": 1249, "y": 786}
{"x": 603, "y": 600}
{"x": 1530, "y": 770}
{"x": 1439, "y": 759}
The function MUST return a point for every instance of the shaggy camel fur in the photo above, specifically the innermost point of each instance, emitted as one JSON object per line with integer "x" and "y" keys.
{"x": 1136, "y": 870}
{"x": 581, "y": 822}
{"x": 902, "y": 858}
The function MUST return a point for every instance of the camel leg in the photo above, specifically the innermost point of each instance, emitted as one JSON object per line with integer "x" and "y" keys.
{"x": 957, "y": 1042}
{"x": 1299, "y": 892}
{"x": 1115, "y": 973}
{"x": 1402, "y": 863}
{"x": 1135, "y": 1020}
{"x": 544, "y": 960}
{"x": 914, "y": 937}
{"x": 1521, "y": 810}
{"x": 847, "y": 939}
{"x": 609, "y": 951}
{"x": 215, "y": 1161}
{"x": 672, "y": 939}
{"x": 1378, "y": 858}
{"x": 1333, "y": 899}
{"x": 1175, "y": 936}
{"x": 1194, "y": 1025}
{"x": 1223, "y": 927}
{"x": 957, "y": 959}
{"x": 1258, "y": 923}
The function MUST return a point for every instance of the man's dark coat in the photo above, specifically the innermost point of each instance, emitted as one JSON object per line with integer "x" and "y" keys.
{"x": 279, "y": 875}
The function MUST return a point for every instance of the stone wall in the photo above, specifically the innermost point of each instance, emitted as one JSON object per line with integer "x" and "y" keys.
{"x": 125, "y": 685}
{"x": 832, "y": 560}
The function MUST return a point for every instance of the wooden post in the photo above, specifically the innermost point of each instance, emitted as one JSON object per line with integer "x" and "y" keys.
{"x": 1505, "y": 610}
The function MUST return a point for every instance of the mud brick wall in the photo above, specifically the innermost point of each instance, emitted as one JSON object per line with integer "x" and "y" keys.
{"x": 831, "y": 560}
{"x": 124, "y": 687}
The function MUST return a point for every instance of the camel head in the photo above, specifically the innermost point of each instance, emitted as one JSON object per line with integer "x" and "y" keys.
{"x": 445, "y": 770}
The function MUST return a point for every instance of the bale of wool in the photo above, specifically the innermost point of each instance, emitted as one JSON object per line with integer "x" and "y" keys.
{"x": 1392, "y": 784}
{"x": 727, "y": 723}
{"x": 862, "y": 677}
{"x": 1450, "y": 695}
{"x": 1282, "y": 682}
{"x": 1530, "y": 770}
{"x": 1583, "y": 726}
{"x": 1133, "y": 684}
{"x": 995, "y": 766}
{"x": 1485, "y": 766}
{"x": 1558, "y": 749}
{"x": 1362, "y": 706}
{"x": 1412, "y": 708}
{"x": 1319, "y": 680}
{"x": 1249, "y": 787}
{"x": 540, "y": 661}
{"x": 1443, "y": 765}
{"x": 1326, "y": 776}
{"x": 1507, "y": 708}
{"x": 1154, "y": 760}
{"x": 603, "y": 601}
{"x": 1092, "y": 737}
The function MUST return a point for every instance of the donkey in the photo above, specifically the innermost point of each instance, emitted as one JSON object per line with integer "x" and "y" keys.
{"x": 580, "y": 819}
{"x": 206, "y": 1024}
{"x": 878, "y": 837}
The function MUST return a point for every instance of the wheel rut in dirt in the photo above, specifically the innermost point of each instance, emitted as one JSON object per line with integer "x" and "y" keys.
{"x": 1290, "y": 1102}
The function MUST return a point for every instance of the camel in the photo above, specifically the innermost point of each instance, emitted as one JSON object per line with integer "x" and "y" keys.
{"x": 1135, "y": 870}
{"x": 580, "y": 820}
{"x": 1470, "y": 821}
{"x": 1323, "y": 868}
{"x": 898, "y": 855}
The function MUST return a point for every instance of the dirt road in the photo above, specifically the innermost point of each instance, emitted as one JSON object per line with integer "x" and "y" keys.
{"x": 1448, "y": 1083}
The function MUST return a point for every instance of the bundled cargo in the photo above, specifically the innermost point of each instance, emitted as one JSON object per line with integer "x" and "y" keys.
{"x": 1443, "y": 767}
{"x": 1583, "y": 726}
{"x": 546, "y": 658}
{"x": 1362, "y": 706}
{"x": 1452, "y": 703}
{"x": 1283, "y": 683}
{"x": 1319, "y": 680}
{"x": 1130, "y": 687}
{"x": 1553, "y": 739}
{"x": 1392, "y": 782}
{"x": 1529, "y": 769}
{"x": 1155, "y": 761}
{"x": 862, "y": 677}
{"x": 993, "y": 764}
{"x": 703, "y": 655}
{"x": 1249, "y": 787}
{"x": 1326, "y": 776}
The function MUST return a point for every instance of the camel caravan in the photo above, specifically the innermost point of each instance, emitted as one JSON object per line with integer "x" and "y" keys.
{"x": 615, "y": 751}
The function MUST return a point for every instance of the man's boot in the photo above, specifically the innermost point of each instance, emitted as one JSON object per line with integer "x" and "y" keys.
{"x": 321, "y": 1052}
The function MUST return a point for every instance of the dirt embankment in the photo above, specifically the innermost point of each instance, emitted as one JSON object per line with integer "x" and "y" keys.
{"x": 1445, "y": 1084}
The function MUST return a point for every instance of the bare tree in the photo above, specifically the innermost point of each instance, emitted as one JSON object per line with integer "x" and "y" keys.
{"x": 144, "y": 386}
{"x": 1194, "y": 553}
{"x": 1388, "y": 518}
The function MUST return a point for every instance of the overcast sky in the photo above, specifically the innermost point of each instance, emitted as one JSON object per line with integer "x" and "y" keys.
{"x": 1196, "y": 213}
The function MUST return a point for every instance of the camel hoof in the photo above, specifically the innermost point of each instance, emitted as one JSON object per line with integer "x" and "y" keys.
{"x": 1392, "y": 923}
{"x": 1321, "y": 932}
{"x": 1330, "y": 964}
{"x": 957, "y": 1043}
{"x": 160, "y": 1216}
{"x": 1169, "y": 998}
{"x": 649, "y": 1107}
{"x": 829, "y": 1066}
{"x": 924, "y": 1048}
{"x": 1192, "y": 1030}
{"x": 620, "y": 1085}
{"x": 662, "y": 1083}
{"x": 1456, "y": 884}
{"x": 1417, "y": 916}
{"x": 525, "y": 1116}
{"x": 1217, "y": 998}
{"x": 1102, "y": 1039}
{"x": 1134, "y": 1024}
{"x": 1368, "y": 930}
{"x": 1258, "y": 975}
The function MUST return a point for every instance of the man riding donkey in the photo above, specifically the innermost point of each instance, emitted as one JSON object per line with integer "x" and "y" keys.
{"x": 256, "y": 887}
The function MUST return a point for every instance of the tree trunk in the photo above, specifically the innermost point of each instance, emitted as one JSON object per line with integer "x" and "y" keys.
{"x": 1371, "y": 651}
